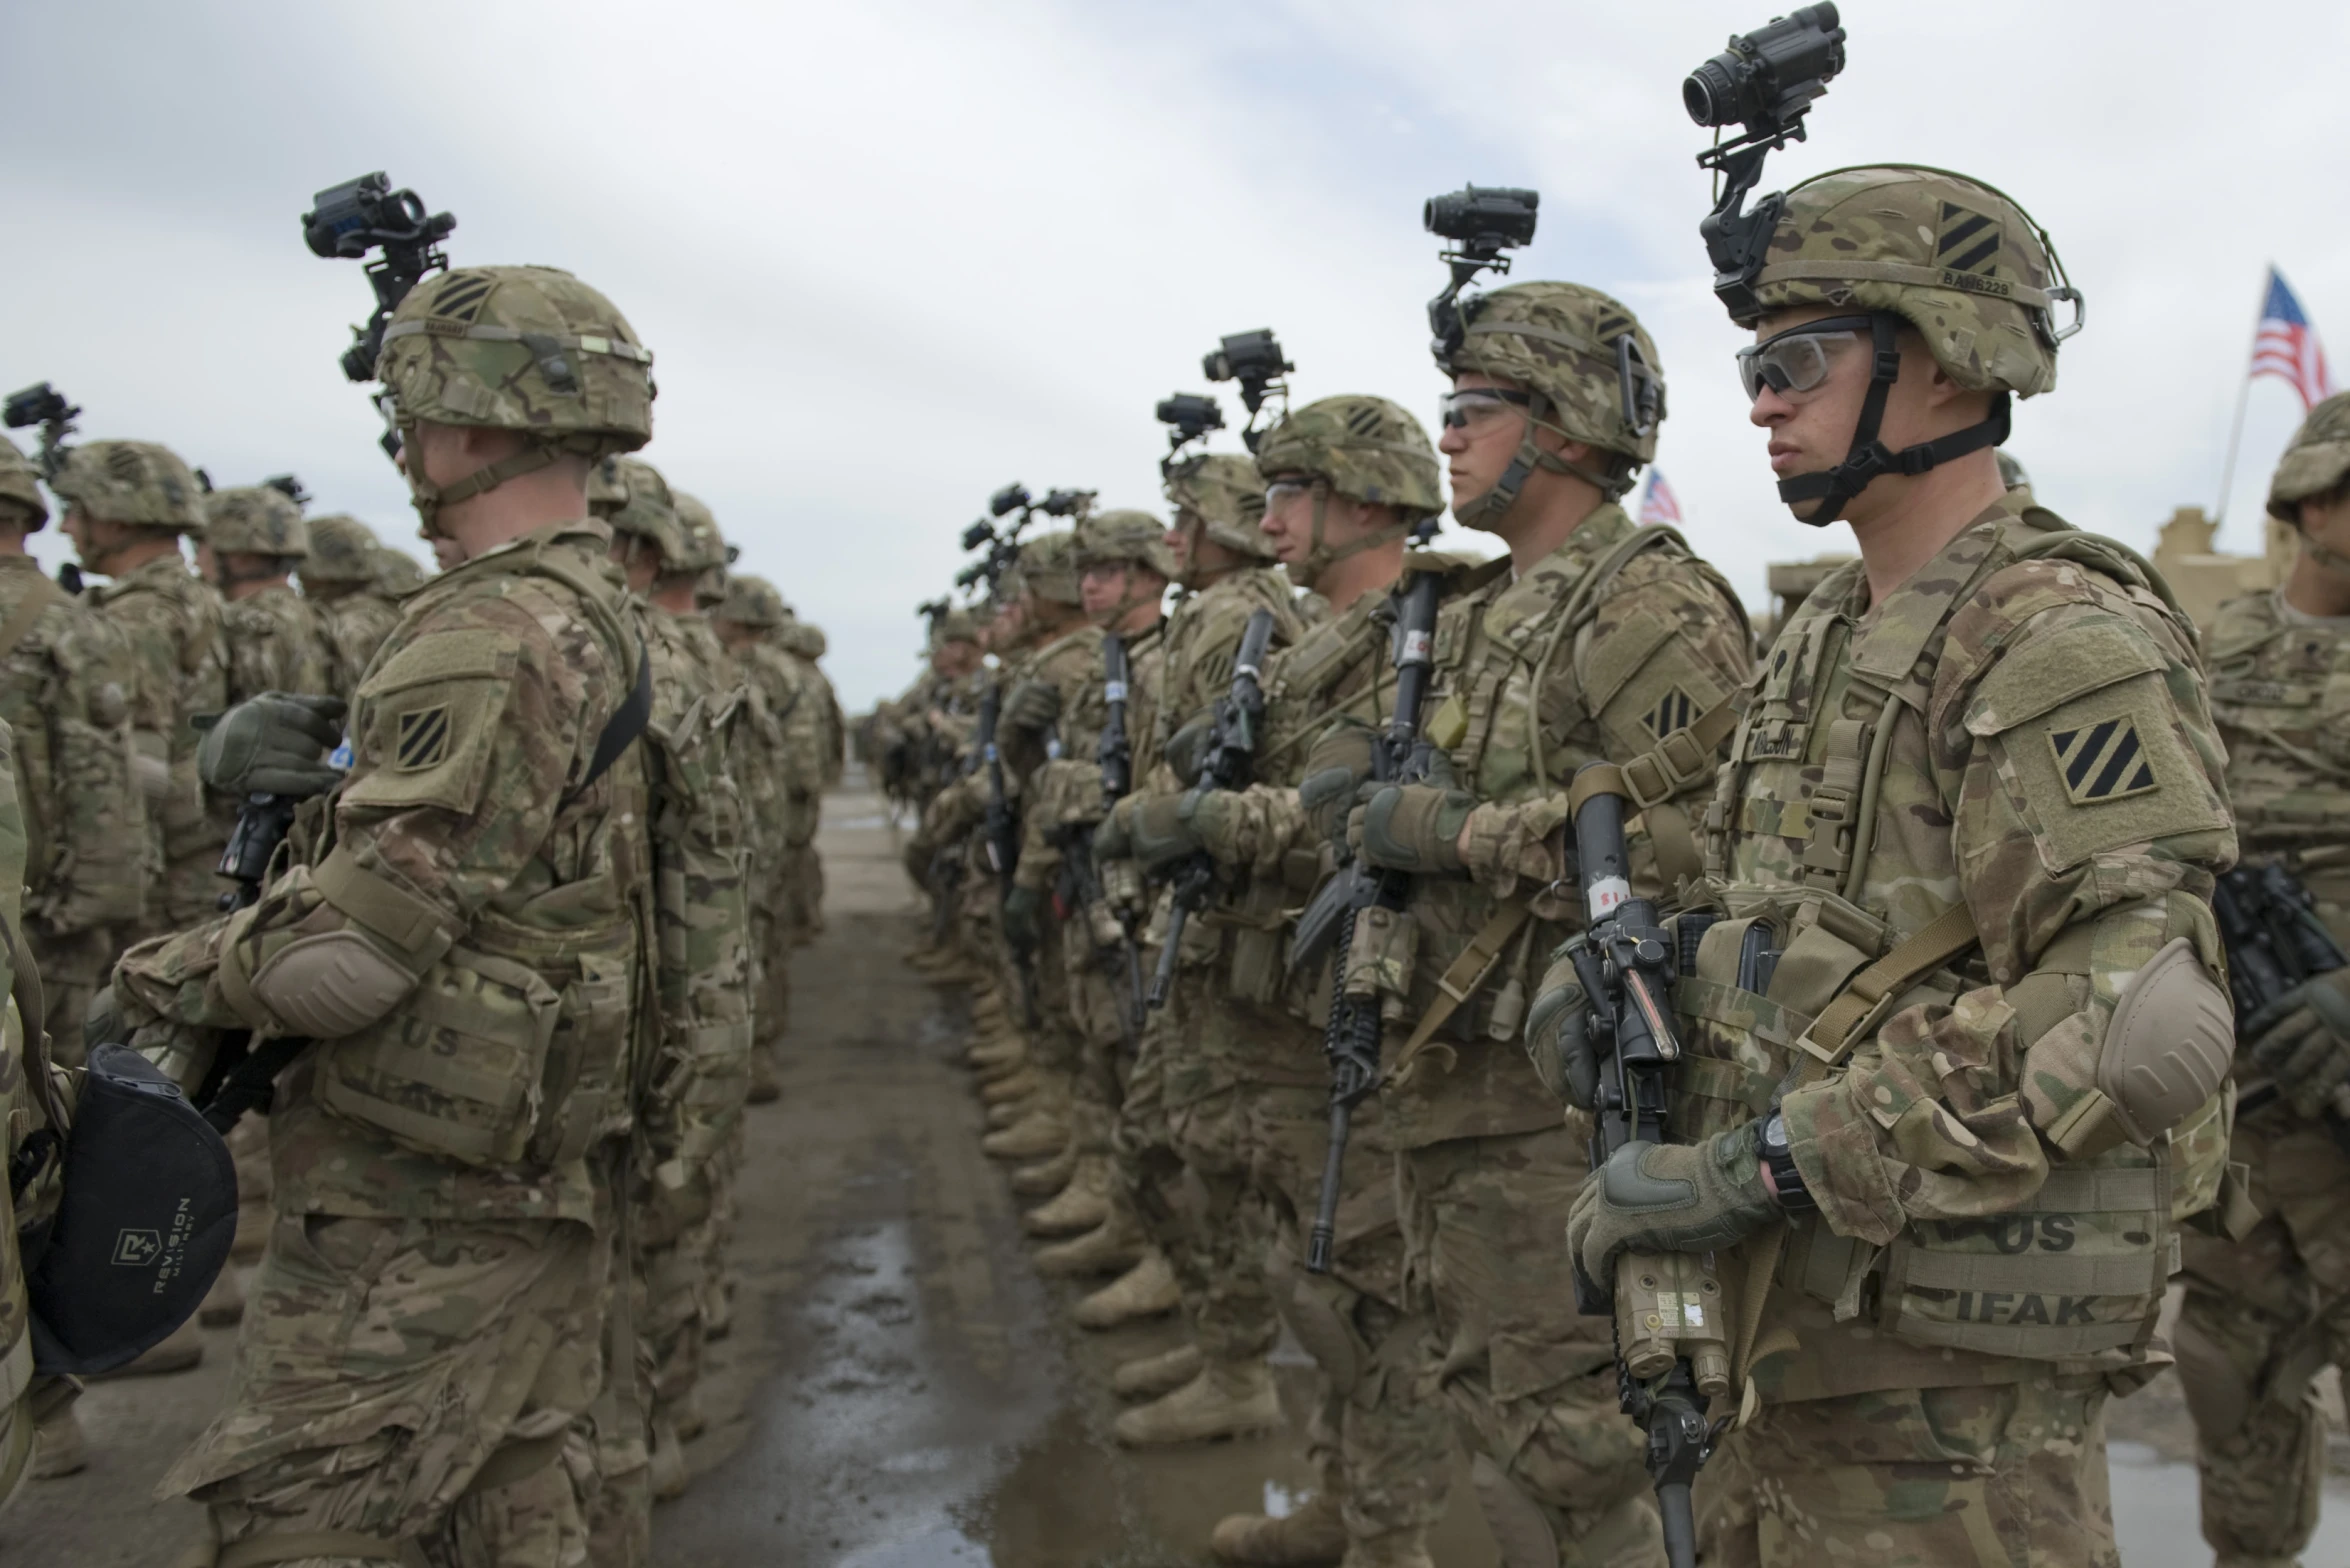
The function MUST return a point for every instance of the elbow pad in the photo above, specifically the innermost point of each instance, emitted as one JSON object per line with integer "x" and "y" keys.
{"x": 2167, "y": 1047}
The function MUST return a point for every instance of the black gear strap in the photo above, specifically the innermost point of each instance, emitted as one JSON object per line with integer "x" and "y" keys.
{"x": 1869, "y": 456}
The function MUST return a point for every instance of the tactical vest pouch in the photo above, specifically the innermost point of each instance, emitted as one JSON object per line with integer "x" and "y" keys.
{"x": 1255, "y": 920}
{"x": 1380, "y": 963}
{"x": 583, "y": 1094}
{"x": 148, "y": 1211}
{"x": 454, "y": 1070}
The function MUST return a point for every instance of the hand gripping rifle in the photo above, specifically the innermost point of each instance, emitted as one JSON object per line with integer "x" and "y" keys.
{"x": 1230, "y": 764}
{"x": 1351, "y": 1040}
{"x": 1116, "y": 756}
{"x": 1000, "y": 830}
{"x": 2268, "y": 922}
{"x": 1671, "y": 1357}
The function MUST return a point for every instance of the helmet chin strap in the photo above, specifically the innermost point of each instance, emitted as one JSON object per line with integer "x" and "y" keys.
{"x": 1869, "y": 457}
{"x": 428, "y": 498}
{"x": 1321, "y": 557}
{"x": 1487, "y": 511}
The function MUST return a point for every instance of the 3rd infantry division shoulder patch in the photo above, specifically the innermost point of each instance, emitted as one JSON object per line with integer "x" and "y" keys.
{"x": 423, "y": 739}
{"x": 2102, "y": 761}
{"x": 1677, "y": 710}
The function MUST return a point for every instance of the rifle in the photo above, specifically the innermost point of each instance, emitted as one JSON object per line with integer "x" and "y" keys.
{"x": 1116, "y": 756}
{"x": 1669, "y": 1364}
{"x": 2268, "y": 922}
{"x": 1229, "y": 764}
{"x": 1000, "y": 835}
{"x": 1351, "y": 1039}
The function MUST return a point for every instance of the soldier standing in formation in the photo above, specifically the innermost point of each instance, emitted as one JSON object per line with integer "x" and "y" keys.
{"x": 254, "y": 539}
{"x": 342, "y": 581}
{"x": 2266, "y": 1312}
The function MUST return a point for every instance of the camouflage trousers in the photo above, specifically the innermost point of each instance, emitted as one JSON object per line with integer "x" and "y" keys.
{"x": 1096, "y": 1015}
{"x": 2262, "y": 1317}
{"x": 411, "y": 1386}
{"x": 73, "y": 968}
{"x": 2006, "y": 1476}
{"x": 1187, "y": 1172}
{"x": 770, "y": 977}
{"x": 1530, "y": 1383}
{"x": 1383, "y": 1448}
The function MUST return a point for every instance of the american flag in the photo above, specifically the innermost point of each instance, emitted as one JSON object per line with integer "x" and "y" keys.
{"x": 2286, "y": 345}
{"x": 1657, "y": 504}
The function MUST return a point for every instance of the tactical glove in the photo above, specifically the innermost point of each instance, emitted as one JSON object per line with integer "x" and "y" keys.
{"x": 1033, "y": 705}
{"x": 2301, "y": 1043}
{"x": 1335, "y": 769}
{"x": 1670, "y": 1197}
{"x": 1023, "y": 923}
{"x": 1169, "y": 827}
{"x": 1411, "y": 827}
{"x": 1187, "y": 748}
{"x": 1556, "y": 1038}
{"x": 273, "y": 744}
{"x": 1114, "y": 839}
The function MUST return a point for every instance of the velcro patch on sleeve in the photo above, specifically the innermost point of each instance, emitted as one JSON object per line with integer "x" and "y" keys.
{"x": 2106, "y": 771}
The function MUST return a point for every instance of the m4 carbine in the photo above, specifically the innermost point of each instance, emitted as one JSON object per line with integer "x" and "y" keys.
{"x": 2268, "y": 922}
{"x": 1230, "y": 763}
{"x": 1357, "y": 1007}
{"x": 1116, "y": 756}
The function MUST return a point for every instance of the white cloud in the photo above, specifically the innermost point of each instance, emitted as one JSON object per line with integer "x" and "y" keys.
{"x": 892, "y": 255}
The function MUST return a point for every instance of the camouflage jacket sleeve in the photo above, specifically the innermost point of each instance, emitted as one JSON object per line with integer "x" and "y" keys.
{"x": 2075, "y": 762}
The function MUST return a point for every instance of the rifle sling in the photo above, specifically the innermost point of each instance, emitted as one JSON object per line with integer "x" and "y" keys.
{"x": 1464, "y": 978}
{"x": 1830, "y": 1038}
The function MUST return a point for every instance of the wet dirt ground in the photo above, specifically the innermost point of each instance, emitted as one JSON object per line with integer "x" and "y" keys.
{"x": 900, "y": 1389}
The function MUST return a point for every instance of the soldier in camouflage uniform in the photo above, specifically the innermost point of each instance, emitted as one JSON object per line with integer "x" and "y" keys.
{"x": 1222, "y": 562}
{"x": 340, "y": 579}
{"x": 66, "y": 684}
{"x": 1124, "y": 568}
{"x": 254, "y": 538}
{"x": 126, "y": 504}
{"x": 1051, "y": 707}
{"x": 396, "y": 572}
{"x": 482, "y": 875}
{"x": 1350, "y": 477}
{"x": 776, "y": 746}
{"x": 931, "y": 730}
{"x": 1952, "y": 1051}
{"x": 702, "y": 1077}
{"x": 802, "y": 643}
{"x": 2265, "y": 1313}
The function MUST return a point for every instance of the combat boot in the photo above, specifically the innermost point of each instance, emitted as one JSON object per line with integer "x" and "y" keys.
{"x": 669, "y": 1477}
{"x": 60, "y": 1450}
{"x": 1147, "y": 1377}
{"x": 685, "y": 1416}
{"x": 224, "y": 1303}
{"x": 999, "y": 1053}
{"x": 1082, "y": 1205}
{"x": 177, "y": 1352}
{"x": 1112, "y": 1247}
{"x": 1041, "y": 1132}
{"x": 764, "y": 1086}
{"x": 1012, "y": 1086}
{"x": 1047, "y": 1177}
{"x": 1397, "y": 1549}
{"x": 1227, "y": 1399}
{"x": 1310, "y": 1537}
{"x": 1143, "y": 1291}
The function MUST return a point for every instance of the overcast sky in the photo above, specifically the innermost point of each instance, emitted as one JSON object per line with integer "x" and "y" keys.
{"x": 891, "y": 255}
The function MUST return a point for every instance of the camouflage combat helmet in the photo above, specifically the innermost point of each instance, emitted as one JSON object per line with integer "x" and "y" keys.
{"x": 1592, "y": 368}
{"x": 255, "y": 520}
{"x": 804, "y": 638}
{"x": 1364, "y": 448}
{"x": 136, "y": 482}
{"x": 2315, "y": 462}
{"x": 342, "y": 551}
{"x": 649, "y": 511}
{"x": 1123, "y": 535}
{"x": 700, "y": 545}
{"x": 1048, "y": 567}
{"x": 20, "y": 486}
{"x": 1952, "y": 257}
{"x": 396, "y": 571}
{"x": 1227, "y": 495}
{"x": 954, "y": 626}
{"x": 751, "y": 601}
{"x": 528, "y": 349}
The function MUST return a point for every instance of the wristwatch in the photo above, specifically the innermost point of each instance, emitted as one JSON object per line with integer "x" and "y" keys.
{"x": 1794, "y": 1196}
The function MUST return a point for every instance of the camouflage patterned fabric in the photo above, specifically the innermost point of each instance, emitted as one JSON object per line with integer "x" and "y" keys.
{"x": 459, "y": 1214}
{"x": 20, "y": 488}
{"x": 255, "y": 520}
{"x": 2265, "y": 1313}
{"x": 173, "y": 621}
{"x": 1560, "y": 340}
{"x": 275, "y": 643}
{"x": 65, "y": 690}
{"x": 1368, "y": 449}
{"x": 354, "y": 610}
{"x": 777, "y": 745}
{"x": 1225, "y": 494}
{"x": 2315, "y": 460}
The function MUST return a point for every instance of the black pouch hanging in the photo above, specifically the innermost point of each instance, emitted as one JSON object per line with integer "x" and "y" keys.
{"x": 144, "y": 1224}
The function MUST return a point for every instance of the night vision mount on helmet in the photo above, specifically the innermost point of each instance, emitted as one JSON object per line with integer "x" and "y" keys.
{"x": 1486, "y": 223}
{"x": 1254, "y": 359}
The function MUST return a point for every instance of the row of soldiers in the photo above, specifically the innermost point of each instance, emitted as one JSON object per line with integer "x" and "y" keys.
{"x": 1949, "y": 1100}
{"x": 525, "y": 947}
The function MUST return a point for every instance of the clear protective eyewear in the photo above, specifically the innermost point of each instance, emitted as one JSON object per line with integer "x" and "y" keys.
{"x": 1283, "y": 491}
{"x": 1797, "y": 360}
{"x": 1466, "y": 406}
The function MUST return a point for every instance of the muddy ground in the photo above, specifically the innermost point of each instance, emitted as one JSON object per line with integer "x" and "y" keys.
{"x": 901, "y": 1390}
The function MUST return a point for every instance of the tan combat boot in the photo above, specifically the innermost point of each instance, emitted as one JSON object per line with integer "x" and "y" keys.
{"x": 1112, "y": 1247}
{"x": 997, "y": 1053}
{"x": 1227, "y": 1399}
{"x": 1082, "y": 1205}
{"x": 1043, "y": 1131}
{"x": 1401, "y": 1549}
{"x": 1147, "y": 1377}
{"x": 764, "y": 1086}
{"x": 1310, "y": 1537}
{"x": 59, "y": 1449}
{"x": 669, "y": 1478}
{"x": 1047, "y": 1177}
{"x": 1146, "y": 1290}
{"x": 1010, "y": 1087}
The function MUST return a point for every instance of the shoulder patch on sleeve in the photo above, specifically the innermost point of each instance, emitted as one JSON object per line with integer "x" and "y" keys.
{"x": 425, "y": 723}
{"x": 2044, "y": 673}
{"x": 462, "y": 653}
